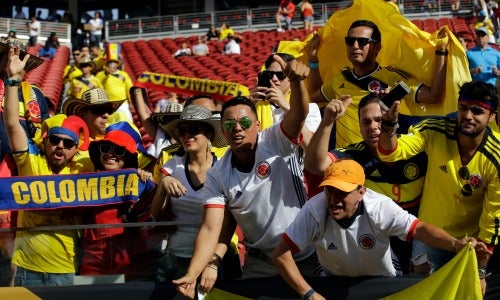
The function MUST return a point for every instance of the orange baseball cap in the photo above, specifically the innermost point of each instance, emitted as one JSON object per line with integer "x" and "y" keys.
{"x": 345, "y": 175}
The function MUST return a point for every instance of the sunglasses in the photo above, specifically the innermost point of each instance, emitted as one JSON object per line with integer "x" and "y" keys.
{"x": 362, "y": 41}
{"x": 67, "y": 143}
{"x": 464, "y": 174}
{"x": 192, "y": 130}
{"x": 117, "y": 150}
{"x": 100, "y": 110}
{"x": 279, "y": 74}
{"x": 230, "y": 125}
{"x": 477, "y": 111}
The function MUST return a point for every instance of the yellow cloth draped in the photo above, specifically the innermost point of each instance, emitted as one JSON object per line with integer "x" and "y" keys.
{"x": 404, "y": 46}
{"x": 458, "y": 279}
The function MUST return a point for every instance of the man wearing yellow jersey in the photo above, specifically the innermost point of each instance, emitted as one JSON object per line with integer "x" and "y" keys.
{"x": 402, "y": 181}
{"x": 43, "y": 258}
{"x": 363, "y": 43}
{"x": 462, "y": 188}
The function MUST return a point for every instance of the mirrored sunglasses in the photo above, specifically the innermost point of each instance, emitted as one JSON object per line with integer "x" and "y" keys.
{"x": 67, "y": 143}
{"x": 230, "y": 125}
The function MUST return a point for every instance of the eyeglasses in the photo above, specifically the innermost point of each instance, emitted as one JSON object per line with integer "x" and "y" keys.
{"x": 464, "y": 174}
{"x": 192, "y": 130}
{"x": 279, "y": 74}
{"x": 230, "y": 125}
{"x": 477, "y": 111}
{"x": 362, "y": 41}
{"x": 117, "y": 150}
{"x": 67, "y": 143}
{"x": 100, "y": 110}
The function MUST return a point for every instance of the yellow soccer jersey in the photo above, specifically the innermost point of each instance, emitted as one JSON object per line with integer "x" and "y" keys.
{"x": 116, "y": 85}
{"x": 346, "y": 83}
{"x": 46, "y": 251}
{"x": 70, "y": 72}
{"x": 79, "y": 85}
{"x": 169, "y": 152}
{"x": 463, "y": 200}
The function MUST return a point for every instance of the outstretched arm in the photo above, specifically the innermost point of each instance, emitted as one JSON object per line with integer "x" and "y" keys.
{"x": 294, "y": 119}
{"x": 284, "y": 263}
{"x": 18, "y": 141}
{"x": 316, "y": 159}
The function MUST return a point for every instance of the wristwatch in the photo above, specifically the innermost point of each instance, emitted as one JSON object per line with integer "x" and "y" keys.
{"x": 11, "y": 82}
{"x": 482, "y": 273}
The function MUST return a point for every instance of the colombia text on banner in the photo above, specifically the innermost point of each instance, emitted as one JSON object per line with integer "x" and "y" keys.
{"x": 220, "y": 90}
{"x": 58, "y": 191}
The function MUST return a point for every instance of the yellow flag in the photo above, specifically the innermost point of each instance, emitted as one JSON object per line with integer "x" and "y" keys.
{"x": 218, "y": 294}
{"x": 404, "y": 46}
{"x": 458, "y": 279}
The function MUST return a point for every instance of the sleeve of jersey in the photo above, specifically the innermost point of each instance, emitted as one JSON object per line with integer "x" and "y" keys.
{"x": 304, "y": 229}
{"x": 395, "y": 220}
{"x": 408, "y": 145}
{"x": 327, "y": 90}
{"x": 213, "y": 191}
{"x": 489, "y": 222}
{"x": 274, "y": 139}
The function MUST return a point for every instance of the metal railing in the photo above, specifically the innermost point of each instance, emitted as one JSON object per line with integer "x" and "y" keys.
{"x": 62, "y": 30}
{"x": 245, "y": 19}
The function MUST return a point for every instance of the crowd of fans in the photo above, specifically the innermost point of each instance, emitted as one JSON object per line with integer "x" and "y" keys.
{"x": 312, "y": 170}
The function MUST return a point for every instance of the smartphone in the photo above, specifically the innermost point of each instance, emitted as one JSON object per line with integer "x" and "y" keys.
{"x": 263, "y": 79}
{"x": 396, "y": 93}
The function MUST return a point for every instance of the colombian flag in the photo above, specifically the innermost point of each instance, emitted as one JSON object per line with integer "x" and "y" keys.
{"x": 404, "y": 46}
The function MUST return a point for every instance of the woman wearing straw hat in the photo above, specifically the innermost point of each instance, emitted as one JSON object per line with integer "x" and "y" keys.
{"x": 111, "y": 250}
{"x": 178, "y": 195}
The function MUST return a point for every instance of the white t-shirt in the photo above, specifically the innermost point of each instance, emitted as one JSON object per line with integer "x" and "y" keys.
{"x": 232, "y": 47}
{"x": 188, "y": 207}
{"x": 97, "y": 25}
{"x": 34, "y": 28}
{"x": 363, "y": 249}
{"x": 266, "y": 200}
{"x": 312, "y": 120}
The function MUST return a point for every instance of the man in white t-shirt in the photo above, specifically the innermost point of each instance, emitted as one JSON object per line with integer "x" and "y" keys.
{"x": 350, "y": 227}
{"x": 34, "y": 30}
{"x": 258, "y": 182}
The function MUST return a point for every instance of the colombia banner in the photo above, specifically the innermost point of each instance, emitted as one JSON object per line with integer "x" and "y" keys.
{"x": 63, "y": 191}
{"x": 220, "y": 90}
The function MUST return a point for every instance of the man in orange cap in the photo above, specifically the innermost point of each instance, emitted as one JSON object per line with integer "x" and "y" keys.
{"x": 350, "y": 227}
{"x": 43, "y": 258}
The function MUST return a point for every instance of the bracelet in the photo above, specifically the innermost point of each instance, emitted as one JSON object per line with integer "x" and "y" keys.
{"x": 212, "y": 267}
{"x": 216, "y": 260}
{"x": 314, "y": 64}
{"x": 482, "y": 273}
{"x": 12, "y": 82}
{"x": 453, "y": 246}
{"x": 308, "y": 294}
{"x": 441, "y": 52}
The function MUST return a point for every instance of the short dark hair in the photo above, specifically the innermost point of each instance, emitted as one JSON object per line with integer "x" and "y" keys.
{"x": 238, "y": 100}
{"x": 190, "y": 100}
{"x": 480, "y": 91}
{"x": 285, "y": 56}
{"x": 368, "y": 99}
{"x": 376, "y": 35}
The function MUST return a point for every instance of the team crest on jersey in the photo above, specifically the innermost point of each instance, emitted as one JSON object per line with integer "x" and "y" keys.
{"x": 475, "y": 181}
{"x": 263, "y": 170}
{"x": 374, "y": 86}
{"x": 411, "y": 171}
{"x": 366, "y": 241}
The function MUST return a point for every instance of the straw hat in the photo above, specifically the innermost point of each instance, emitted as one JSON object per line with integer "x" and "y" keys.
{"x": 196, "y": 113}
{"x": 172, "y": 112}
{"x": 87, "y": 60}
{"x": 91, "y": 97}
{"x": 33, "y": 62}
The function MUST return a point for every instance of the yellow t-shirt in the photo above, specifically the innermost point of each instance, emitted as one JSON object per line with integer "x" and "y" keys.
{"x": 462, "y": 200}
{"x": 116, "y": 85}
{"x": 348, "y": 126}
{"x": 46, "y": 251}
